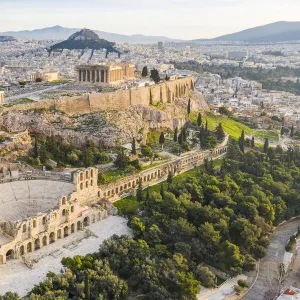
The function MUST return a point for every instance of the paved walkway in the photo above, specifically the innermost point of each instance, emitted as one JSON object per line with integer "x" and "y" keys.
{"x": 275, "y": 254}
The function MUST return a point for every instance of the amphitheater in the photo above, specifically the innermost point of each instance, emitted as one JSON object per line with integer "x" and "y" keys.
{"x": 36, "y": 213}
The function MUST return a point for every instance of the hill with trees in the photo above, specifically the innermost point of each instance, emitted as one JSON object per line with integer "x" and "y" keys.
{"x": 83, "y": 39}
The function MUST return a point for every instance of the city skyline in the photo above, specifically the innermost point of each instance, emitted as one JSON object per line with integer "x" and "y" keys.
{"x": 175, "y": 19}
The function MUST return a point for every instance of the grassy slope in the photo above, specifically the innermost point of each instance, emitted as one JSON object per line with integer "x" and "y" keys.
{"x": 233, "y": 128}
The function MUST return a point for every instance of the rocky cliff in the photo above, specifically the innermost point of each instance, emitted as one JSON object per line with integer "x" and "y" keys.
{"x": 106, "y": 127}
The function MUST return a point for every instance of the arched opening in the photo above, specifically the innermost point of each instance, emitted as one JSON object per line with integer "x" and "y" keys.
{"x": 93, "y": 219}
{"x": 24, "y": 228}
{"x": 37, "y": 244}
{"x": 1, "y": 259}
{"x": 45, "y": 241}
{"x": 78, "y": 225}
{"x": 72, "y": 228}
{"x": 86, "y": 222}
{"x": 29, "y": 247}
{"x": 63, "y": 202}
{"x": 64, "y": 212}
{"x": 87, "y": 184}
{"x": 66, "y": 231}
{"x": 34, "y": 223}
{"x": 9, "y": 255}
{"x": 44, "y": 220}
{"x": 59, "y": 234}
{"x": 22, "y": 250}
{"x": 52, "y": 237}
{"x": 92, "y": 173}
{"x": 81, "y": 176}
{"x": 81, "y": 186}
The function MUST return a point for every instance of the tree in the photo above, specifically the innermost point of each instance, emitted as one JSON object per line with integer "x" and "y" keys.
{"x": 139, "y": 191}
{"x": 122, "y": 160}
{"x": 175, "y": 138}
{"x": 242, "y": 141}
{"x": 145, "y": 71}
{"x": 282, "y": 131}
{"x": 155, "y": 76}
{"x": 133, "y": 147}
{"x": 87, "y": 286}
{"x": 189, "y": 107}
{"x": 292, "y": 131}
{"x": 162, "y": 191}
{"x": 266, "y": 145}
{"x": 224, "y": 111}
{"x": 233, "y": 151}
{"x": 252, "y": 142}
{"x": 180, "y": 140}
{"x": 205, "y": 276}
{"x": 206, "y": 127}
{"x": 183, "y": 133}
{"x": 202, "y": 137}
{"x": 88, "y": 159}
{"x": 220, "y": 132}
{"x": 162, "y": 140}
{"x": 170, "y": 178}
{"x": 137, "y": 226}
{"x": 167, "y": 78}
{"x": 147, "y": 151}
{"x": 199, "y": 119}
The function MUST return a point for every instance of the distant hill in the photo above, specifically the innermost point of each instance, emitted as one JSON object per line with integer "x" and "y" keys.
{"x": 274, "y": 32}
{"x": 83, "y": 39}
{"x": 62, "y": 33}
{"x": 4, "y": 39}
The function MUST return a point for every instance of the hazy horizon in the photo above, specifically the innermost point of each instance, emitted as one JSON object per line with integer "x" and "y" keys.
{"x": 173, "y": 18}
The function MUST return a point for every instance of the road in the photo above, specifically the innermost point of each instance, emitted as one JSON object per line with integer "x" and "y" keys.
{"x": 34, "y": 93}
{"x": 275, "y": 253}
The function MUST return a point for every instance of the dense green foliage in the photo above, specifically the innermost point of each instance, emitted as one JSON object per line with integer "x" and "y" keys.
{"x": 64, "y": 153}
{"x": 222, "y": 219}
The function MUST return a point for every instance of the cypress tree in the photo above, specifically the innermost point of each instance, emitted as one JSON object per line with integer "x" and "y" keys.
{"x": 189, "y": 107}
{"x": 282, "y": 131}
{"x": 206, "y": 127}
{"x": 220, "y": 132}
{"x": 266, "y": 146}
{"x": 36, "y": 150}
{"x": 242, "y": 141}
{"x": 180, "y": 141}
{"x": 87, "y": 286}
{"x": 145, "y": 72}
{"x": 175, "y": 138}
{"x": 183, "y": 134}
{"x": 139, "y": 192}
{"x": 202, "y": 137}
{"x": 162, "y": 140}
{"x": 292, "y": 131}
{"x": 162, "y": 191}
{"x": 252, "y": 142}
{"x": 147, "y": 195}
{"x": 199, "y": 120}
{"x": 133, "y": 147}
{"x": 170, "y": 178}
{"x": 150, "y": 101}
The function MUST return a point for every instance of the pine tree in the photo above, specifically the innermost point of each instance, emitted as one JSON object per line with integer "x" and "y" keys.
{"x": 252, "y": 142}
{"x": 175, "y": 138}
{"x": 220, "y": 132}
{"x": 189, "y": 107}
{"x": 162, "y": 140}
{"x": 199, "y": 120}
{"x": 139, "y": 192}
{"x": 266, "y": 146}
{"x": 170, "y": 178}
{"x": 133, "y": 147}
{"x": 233, "y": 150}
{"x": 292, "y": 129}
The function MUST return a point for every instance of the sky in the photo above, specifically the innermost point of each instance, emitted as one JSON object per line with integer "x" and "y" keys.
{"x": 183, "y": 19}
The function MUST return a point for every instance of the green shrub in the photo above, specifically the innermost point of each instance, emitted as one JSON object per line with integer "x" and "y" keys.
{"x": 238, "y": 289}
{"x": 243, "y": 283}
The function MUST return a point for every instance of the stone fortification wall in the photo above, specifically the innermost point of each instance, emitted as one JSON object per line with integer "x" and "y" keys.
{"x": 122, "y": 99}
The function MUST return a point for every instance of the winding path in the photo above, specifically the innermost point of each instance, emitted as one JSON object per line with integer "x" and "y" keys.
{"x": 275, "y": 252}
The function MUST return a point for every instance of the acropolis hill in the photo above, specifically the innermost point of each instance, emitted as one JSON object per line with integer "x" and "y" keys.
{"x": 102, "y": 116}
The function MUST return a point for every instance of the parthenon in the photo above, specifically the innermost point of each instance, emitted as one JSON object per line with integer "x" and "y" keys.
{"x": 105, "y": 74}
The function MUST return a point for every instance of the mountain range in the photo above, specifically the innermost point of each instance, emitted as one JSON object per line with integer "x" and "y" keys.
{"x": 275, "y": 32}
{"x": 62, "y": 33}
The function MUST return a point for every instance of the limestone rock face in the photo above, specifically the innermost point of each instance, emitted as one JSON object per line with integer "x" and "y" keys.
{"x": 106, "y": 128}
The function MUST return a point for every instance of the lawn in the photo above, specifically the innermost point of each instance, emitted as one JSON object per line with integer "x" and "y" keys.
{"x": 232, "y": 127}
